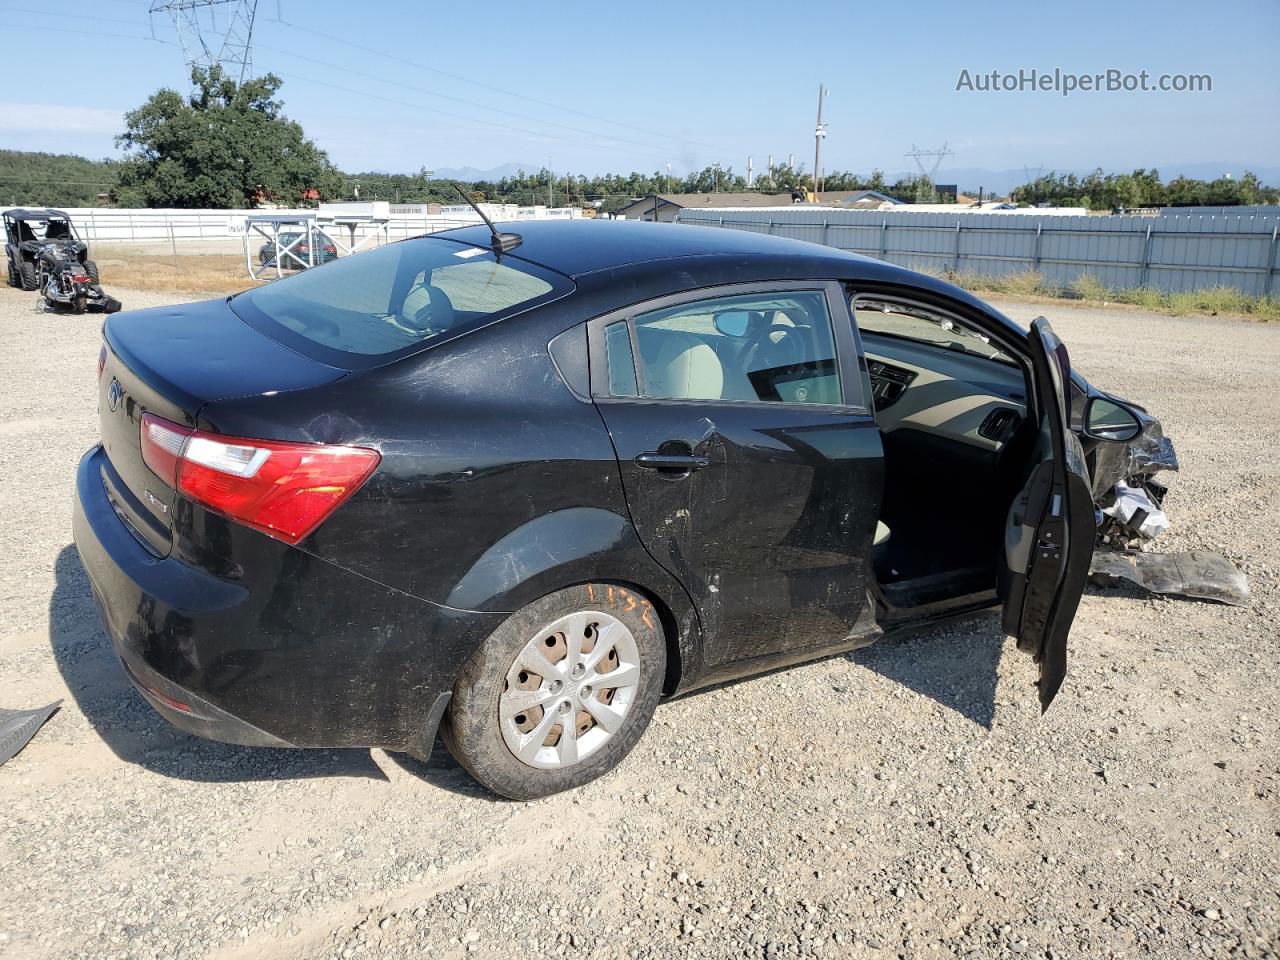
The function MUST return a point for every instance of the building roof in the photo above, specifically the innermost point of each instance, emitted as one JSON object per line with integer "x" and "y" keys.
{"x": 845, "y": 197}
{"x": 744, "y": 199}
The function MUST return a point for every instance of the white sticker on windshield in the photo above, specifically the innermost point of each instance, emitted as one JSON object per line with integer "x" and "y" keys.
{"x": 471, "y": 252}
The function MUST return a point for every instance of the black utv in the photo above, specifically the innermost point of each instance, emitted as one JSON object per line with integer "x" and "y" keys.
{"x": 28, "y": 233}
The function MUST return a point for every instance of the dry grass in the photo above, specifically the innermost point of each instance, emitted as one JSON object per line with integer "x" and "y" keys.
{"x": 224, "y": 274}
{"x": 207, "y": 273}
{"x": 1089, "y": 289}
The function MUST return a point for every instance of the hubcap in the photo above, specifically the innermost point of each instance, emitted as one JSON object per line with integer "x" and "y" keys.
{"x": 569, "y": 689}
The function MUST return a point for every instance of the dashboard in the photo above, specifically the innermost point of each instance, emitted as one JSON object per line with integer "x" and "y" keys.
{"x": 948, "y": 392}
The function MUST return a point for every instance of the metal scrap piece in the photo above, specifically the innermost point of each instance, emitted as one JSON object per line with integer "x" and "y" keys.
{"x": 17, "y": 727}
{"x": 1196, "y": 573}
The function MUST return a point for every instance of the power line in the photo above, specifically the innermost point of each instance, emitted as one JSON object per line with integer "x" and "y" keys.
{"x": 87, "y": 33}
{"x": 418, "y": 106}
{"x": 444, "y": 96}
{"x": 488, "y": 86}
{"x": 72, "y": 16}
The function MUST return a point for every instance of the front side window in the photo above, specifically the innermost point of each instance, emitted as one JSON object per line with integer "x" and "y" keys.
{"x": 768, "y": 347}
{"x": 910, "y": 322}
{"x": 377, "y": 305}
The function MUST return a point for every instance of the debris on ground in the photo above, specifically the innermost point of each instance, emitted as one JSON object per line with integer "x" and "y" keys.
{"x": 17, "y": 727}
{"x": 1196, "y": 573}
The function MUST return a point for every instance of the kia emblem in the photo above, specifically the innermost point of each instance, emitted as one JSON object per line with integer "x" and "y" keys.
{"x": 114, "y": 394}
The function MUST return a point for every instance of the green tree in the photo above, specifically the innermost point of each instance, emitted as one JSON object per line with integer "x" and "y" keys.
{"x": 224, "y": 145}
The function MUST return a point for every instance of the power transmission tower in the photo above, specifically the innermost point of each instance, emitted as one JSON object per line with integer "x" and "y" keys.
{"x": 925, "y": 192}
{"x": 224, "y": 38}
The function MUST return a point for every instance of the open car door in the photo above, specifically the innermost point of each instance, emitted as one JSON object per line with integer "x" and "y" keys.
{"x": 1050, "y": 531}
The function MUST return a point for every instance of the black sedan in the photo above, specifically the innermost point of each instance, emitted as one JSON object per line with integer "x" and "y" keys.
{"x": 518, "y": 489}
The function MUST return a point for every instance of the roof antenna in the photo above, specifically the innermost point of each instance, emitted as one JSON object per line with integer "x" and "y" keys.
{"x": 501, "y": 242}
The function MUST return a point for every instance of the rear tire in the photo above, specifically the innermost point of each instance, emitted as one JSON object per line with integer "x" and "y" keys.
{"x": 12, "y": 273}
{"x": 91, "y": 270}
{"x": 524, "y": 734}
{"x": 27, "y": 276}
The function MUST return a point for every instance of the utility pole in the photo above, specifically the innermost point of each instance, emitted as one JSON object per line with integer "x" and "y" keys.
{"x": 716, "y": 175}
{"x": 749, "y": 170}
{"x": 668, "y": 177}
{"x": 819, "y": 132}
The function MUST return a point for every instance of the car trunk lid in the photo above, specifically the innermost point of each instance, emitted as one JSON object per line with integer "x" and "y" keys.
{"x": 170, "y": 362}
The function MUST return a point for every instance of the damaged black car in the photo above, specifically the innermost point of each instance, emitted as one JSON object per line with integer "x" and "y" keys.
{"x": 517, "y": 488}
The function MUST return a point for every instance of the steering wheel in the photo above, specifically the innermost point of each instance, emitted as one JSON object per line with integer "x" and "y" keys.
{"x": 785, "y": 351}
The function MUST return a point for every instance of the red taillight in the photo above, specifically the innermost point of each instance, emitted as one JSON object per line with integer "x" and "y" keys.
{"x": 283, "y": 489}
{"x": 102, "y": 360}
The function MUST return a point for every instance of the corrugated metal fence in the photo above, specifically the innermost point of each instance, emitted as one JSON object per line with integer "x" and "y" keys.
{"x": 1170, "y": 253}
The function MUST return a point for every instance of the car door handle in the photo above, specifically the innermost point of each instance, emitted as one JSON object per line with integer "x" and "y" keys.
{"x": 670, "y": 461}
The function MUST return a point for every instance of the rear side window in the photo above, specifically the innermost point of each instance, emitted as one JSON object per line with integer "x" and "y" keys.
{"x": 771, "y": 347}
{"x": 365, "y": 309}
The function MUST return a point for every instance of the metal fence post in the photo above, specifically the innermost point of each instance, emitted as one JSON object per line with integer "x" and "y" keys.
{"x": 955, "y": 261}
{"x": 884, "y": 238}
{"x": 1146, "y": 258}
{"x": 1035, "y": 254}
{"x": 826, "y": 225}
{"x": 769, "y": 229}
{"x": 1271, "y": 270}
{"x": 173, "y": 244}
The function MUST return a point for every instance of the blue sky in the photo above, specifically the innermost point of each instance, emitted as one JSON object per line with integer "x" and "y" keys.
{"x": 685, "y": 83}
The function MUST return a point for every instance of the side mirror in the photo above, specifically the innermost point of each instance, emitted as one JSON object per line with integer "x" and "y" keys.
{"x": 733, "y": 323}
{"x": 1107, "y": 420}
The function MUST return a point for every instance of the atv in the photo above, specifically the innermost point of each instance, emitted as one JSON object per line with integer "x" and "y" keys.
{"x": 28, "y": 232}
{"x": 43, "y": 252}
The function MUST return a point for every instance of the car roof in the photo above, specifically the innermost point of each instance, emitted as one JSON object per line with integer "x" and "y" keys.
{"x": 578, "y": 247}
{"x": 649, "y": 251}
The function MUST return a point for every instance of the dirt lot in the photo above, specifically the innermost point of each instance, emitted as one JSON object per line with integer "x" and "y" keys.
{"x": 904, "y": 801}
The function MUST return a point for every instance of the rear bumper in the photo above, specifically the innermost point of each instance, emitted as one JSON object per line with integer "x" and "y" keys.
{"x": 281, "y": 648}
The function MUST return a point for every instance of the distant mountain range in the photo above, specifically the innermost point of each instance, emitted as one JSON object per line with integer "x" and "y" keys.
{"x": 472, "y": 174}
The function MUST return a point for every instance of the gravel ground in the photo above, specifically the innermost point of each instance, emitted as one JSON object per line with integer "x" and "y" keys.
{"x": 904, "y": 801}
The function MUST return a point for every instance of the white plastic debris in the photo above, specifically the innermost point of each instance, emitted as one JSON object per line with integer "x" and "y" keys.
{"x": 1137, "y": 511}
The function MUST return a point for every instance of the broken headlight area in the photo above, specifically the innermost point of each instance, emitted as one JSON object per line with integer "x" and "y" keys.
{"x": 1131, "y": 514}
{"x": 1129, "y": 499}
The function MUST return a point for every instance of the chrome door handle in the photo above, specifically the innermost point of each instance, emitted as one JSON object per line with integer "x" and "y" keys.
{"x": 668, "y": 461}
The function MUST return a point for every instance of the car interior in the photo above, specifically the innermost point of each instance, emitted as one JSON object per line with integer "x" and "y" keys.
{"x": 952, "y": 412}
{"x": 951, "y": 408}
{"x": 748, "y": 348}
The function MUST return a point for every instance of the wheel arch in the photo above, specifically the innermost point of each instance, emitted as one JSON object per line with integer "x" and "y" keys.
{"x": 577, "y": 546}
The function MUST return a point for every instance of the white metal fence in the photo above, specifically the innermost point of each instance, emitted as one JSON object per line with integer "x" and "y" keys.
{"x": 120, "y": 225}
{"x": 1170, "y": 253}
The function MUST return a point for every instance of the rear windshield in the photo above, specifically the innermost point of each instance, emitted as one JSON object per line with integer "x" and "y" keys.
{"x": 368, "y": 308}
